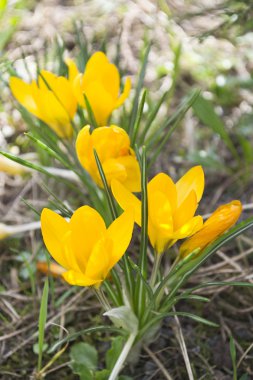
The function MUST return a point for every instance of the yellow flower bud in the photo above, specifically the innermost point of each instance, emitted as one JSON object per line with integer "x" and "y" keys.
{"x": 118, "y": 160}
{"x": 220, "y": 221}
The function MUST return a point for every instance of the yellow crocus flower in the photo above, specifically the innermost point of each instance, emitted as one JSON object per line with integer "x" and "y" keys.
{"x": 100, "y": 82}
{"x": 83, "y": 246}
{"x": 220, "y": 221}
{"x": 51, "y": 100}
{"x": 118, "y": 160}
{"x": 171, "y": 207}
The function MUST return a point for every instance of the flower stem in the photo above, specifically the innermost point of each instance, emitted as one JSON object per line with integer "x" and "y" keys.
{"x": 121, "y": 359}
{"x": 155, "y": 269}
{"x": 102, "y": 298}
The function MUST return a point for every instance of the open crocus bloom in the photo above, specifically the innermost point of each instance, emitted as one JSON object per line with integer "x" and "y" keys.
{"x": 84, "y": 247}
{"x": 171, "y": 207}
{"x": 51, "y": 100}
{"x": 118, "y": 160}
{"x": 101, "y": 85}
{"x": 220, "y": 221}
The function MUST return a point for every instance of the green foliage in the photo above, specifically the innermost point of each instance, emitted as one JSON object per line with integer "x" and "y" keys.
{"x": 42, "y": 323}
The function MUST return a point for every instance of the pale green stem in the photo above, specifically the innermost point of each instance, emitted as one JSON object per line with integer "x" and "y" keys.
{"x": 102, "y": 298}
{"x": 155, "y": 269}
{"x": 121, "y": 359}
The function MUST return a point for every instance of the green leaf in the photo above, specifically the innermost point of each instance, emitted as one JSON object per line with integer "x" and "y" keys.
{"x": 91, "y": 115}
{"x": 194, "y": 317}
{"x": 90, "y": 330}
{"x": 134, "y": 111}
{"x": 102, "y": 375}
{"x": 233, "y": 356}
{"x": 113, "y": 353}
{"x": 42, "y": 322}
{"x": 139, "y": 116}
{"x": 124, "y": 317}
{"x": 84, "y": 355}
{"x": 203, "y": 108}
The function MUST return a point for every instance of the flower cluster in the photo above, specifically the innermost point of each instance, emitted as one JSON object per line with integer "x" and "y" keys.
{"x": 90, "y": 249}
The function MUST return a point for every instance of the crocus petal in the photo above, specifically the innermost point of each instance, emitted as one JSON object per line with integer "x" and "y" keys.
{"x": 110, "y": 142}
{"x": 164, "y": 184}
{"x": 120, "y": 232}
{"x": 54, "y": 230}
{"x": 79, "y": 279}
{"x": 84, "y": 148}
{"x": 99, "y": 263}
{"x": 23, "y": 93}
{"x": 100, "y": 100}
{"x": 126, "y": 200}
{"x": 186, "y": 210}
{"x": 220, "y": 221}
{"x": 189, "y": 228}
{"x": 133, "y": 173}
{"x": 160, "y": 227}
{"x": 72, "y": 70}
{"x": 87, "y": 227}
{"x": 111, "y": 80}
{"x": 192, "y": 180}
{"x": 125, "y": 93}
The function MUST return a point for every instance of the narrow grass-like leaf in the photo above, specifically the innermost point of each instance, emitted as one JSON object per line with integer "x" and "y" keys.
{"x": 108, "y": 193}
{"x": 139, "y": 116}
{"x": 151, "y": 117}
{"x": 160, "y": 138}
{"x": 140, "y": 291}
{"x": 91, "y": 116}
{"x": 90, "y": 330}
{"x": 194, "y": 317}
{"x": 233, "y": 356}
{"x": 139, "y": 86}
{"x": 42, "y": 322}
{"x": 204, "y": 110}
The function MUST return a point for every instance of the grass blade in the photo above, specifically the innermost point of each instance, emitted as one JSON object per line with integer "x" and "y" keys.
{"x": 42, "y": 322}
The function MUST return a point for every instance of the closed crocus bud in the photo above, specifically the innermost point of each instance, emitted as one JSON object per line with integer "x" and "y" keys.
{"x": 100, "y": 83}
{"x": 220, "y": 221}
{"x": 171, "y": 207}
{"x": 83, "y": 246}
{"x": 118, "y": 160}
{"x": 51, "y": 100}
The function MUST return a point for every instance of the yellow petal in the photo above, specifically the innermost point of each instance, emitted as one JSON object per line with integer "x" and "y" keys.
{"x": 95, "y": 68}
{"x": 100, "y": 100}
{"x": 113, "y": 169}
{"x": 110, "y": 142}
{"x": 160, "y": 228}
{"x": 126, "y": 200}
{"x": 111, "y": 81}
{"x": 124, "y": 94}
{"x": 120, "y": 232}
{"x": 87, "y": 227}
{"x": 189, "y": 228}
{"x": 54, "y": 230}
{"x": 84, "y": 148}
{"x": 164, "y": 184}
{"x": 221, "y": 220}
{"x": 133, "y": 174}
{"x": 185, "y": 211}
{"x": 23, "y": 93}
{"x": 192, "y": 180}
{"x": 72, "y": 70}
{"x": 53, "y": 113}
{"x": 99, "y": 263}
{"x": 79, "y": 279}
